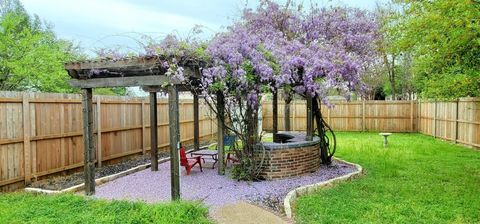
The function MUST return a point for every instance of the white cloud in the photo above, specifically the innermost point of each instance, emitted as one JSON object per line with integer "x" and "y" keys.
{"x": 118, "y": 15}
{"x": 109, "y": 23}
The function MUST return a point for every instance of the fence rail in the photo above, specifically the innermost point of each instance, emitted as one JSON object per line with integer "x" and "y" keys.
{"x": 41, "y": 133}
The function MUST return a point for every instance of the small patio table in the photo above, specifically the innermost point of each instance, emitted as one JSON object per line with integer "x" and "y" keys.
{"x": 206, "y": 153}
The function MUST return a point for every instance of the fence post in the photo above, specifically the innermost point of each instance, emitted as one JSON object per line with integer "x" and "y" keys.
{"x": 144, "y": 148}
{"x": 62, "y": 131}
{"x": 99, "y": 132}
{"x": 411, "y": 115}
{"x": 26, "y": 139}
{"x": 419, "y": 115}
{"x": 363, "y": 115}
{"x": 456, "y": 120}
{"x": 328, "y": 117}
{"x": 435, "y": 119}
{"x": 294, "y": 114}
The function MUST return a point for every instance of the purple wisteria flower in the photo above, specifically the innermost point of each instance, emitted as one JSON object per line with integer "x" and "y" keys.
{"x": 311, "y": 51}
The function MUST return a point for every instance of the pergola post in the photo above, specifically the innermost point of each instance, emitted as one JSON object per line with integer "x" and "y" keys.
{"x": 309, "y": 136}
{"x": 153, "y": 131}
{"x": 275, "y": 113}
{"x": 196, "y": 126}
{"x": 88, "y": 146}
{"x": 174, "y": 141}
{"x": 220, "y": 131}
{"x": 286, "y": 118}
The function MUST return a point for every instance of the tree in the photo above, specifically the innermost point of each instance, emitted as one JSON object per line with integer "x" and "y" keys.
{"x": 305, "y": 52}
{"x": 272, "y": 47}
{"x": 374, "y": 81}
{"x": 31, "y": 57}
{"x": 443, "y": 37}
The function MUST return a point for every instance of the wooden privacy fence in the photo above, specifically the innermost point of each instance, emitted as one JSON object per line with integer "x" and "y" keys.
{"x": 41, "y": 133}
{"x": 392, "y": 116}
{"x": 457, "y": 121}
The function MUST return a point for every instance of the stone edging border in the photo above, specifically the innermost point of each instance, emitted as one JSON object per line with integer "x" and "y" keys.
{"x": 309, "y": 189}
{"x": 100, "y": 180}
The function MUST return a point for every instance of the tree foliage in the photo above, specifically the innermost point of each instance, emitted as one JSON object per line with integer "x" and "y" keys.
{"x": 31, "y": 56}
{"x": 307, "y": 52}
{"x": 443, "y": 37}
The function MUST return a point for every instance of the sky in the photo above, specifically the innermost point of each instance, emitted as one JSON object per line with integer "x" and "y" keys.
{"x": 95, "y": 24}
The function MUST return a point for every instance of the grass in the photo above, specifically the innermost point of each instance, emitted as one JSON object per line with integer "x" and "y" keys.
{"x": 417, "y": 179}
{"x": 68, "y": 208}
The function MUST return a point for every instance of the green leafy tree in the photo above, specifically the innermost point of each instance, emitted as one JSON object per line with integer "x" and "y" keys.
{"x": 396, "y": 62}
{"x": 443, "y": 37}
{"x": 31, "y": 56}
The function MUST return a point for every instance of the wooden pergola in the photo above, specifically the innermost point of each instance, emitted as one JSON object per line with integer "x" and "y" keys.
{"x": 148, "y": 73}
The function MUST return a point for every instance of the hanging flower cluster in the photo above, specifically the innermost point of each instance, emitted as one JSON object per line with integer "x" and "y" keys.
{"x": 309, "y": 52}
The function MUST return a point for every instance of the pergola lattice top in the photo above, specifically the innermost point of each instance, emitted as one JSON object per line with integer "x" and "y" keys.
{"x": 150, "y": 74}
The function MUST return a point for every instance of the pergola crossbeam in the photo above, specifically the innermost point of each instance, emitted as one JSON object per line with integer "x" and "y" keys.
{"x": 120, "y": 81}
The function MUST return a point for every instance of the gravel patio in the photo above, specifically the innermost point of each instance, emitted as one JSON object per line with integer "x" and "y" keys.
{"x": 210, "y": 188}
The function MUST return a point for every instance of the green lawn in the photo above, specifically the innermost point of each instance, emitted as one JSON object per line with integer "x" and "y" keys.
{"x": 67, "y": 208}
{"x": 417, "y": 179}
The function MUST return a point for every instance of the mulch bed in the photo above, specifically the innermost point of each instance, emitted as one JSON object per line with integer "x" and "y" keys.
{"x": 212, "y": 189}
{"x": 62, "y": 182}
{"x": 274, "y": 199}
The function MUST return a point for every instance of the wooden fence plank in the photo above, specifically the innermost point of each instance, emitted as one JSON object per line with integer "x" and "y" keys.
{"x": 26, "y": 139}
{"x": 363, "y": 115}
{"x": 411, "y": 116}
{"x": 435, "y": 119}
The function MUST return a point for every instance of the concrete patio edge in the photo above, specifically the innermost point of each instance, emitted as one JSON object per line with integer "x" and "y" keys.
{"x": 292, "y": 196}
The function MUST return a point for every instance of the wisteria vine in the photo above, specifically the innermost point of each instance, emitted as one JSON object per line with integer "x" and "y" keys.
{"x": 310, "y": 52}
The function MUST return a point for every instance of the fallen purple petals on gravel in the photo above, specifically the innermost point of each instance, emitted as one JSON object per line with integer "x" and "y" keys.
{"x": 210, "y": 188}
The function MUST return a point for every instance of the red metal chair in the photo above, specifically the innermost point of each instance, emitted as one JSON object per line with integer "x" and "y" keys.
{"x": 189, "y": 162}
